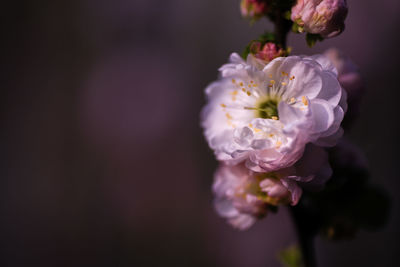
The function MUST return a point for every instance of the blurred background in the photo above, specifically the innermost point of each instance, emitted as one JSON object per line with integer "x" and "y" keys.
{"x": 103, "y": 162}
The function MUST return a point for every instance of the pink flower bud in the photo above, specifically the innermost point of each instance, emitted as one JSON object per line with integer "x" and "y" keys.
{"x": 324, "y": 17}
{"x": 268, "y": 52}
{"x": 253, "y": 8}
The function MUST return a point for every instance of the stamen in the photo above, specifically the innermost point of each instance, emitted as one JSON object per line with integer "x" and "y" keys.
{"x": 304, "y": 100}
{"x": 278, "y": 144}
{"x": 233, "y": 81}
{"x": 223, "y": 105}
{"x": 275, "y": 118}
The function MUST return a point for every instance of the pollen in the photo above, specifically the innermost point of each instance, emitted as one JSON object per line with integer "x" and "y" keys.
{"x": 284, "y": 73}
{"x": 271, "y": 135}
{"x": 248, "y": 93}
{"x": 251, "y": 82}
{"x": 223, "y": 105}
{"x": 231, "y": 124}
{"x": 304, "y": 100}
{"x": 250, "y": 125}
{"x": 275, "y": 118}
{"x": 244, "y": 90}
{"x": 228, "y": 116}
{"x": 283, "y": 83}
{"x": 272, "y": 81}
{"x": 233, "y": 81}
{"x": 278, "y": 144}
{"x": 241, "y": 84}
{"x": 257, "y": 130}
{"x": 292, "y": 78}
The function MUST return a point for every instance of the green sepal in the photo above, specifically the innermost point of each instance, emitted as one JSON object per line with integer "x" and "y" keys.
{"x": 312, "y": 39}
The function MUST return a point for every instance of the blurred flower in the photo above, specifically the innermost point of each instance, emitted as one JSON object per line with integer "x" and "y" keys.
{"x": 324, "y": 17}
{"x": 253, "y": 9}
{"x": 350, "y": 79}
{"x": 243, "y": 196}
{"x": 268, "y": 52}
{"x": 266, "y": 114}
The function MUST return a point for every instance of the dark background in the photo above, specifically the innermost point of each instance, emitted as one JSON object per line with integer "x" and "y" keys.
{"x": 103, "y": 162}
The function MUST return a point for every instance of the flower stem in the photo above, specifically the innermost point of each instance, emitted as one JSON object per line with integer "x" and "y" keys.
{"x": 302, "y": 220}
{"x": 282, "y": 28}
{"x": 306, "y": 234}
{"x": 304, "y": 227}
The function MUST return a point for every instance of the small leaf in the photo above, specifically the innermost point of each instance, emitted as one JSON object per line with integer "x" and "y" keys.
{"x": 290, "y": 257}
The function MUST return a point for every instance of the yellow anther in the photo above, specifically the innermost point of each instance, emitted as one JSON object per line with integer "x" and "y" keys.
{"x": 275, "y": 118}
{"x": 270, "y": 85}
{"x": 251, "y": 82}
{"x": 257, "y": 130}
{"x": 270, "y": 76}
{"x": 228, "y": 116}
{"x": 233, "y": 81}
{"x": 292, "y": 78}
{"x": 223, "y": 105}
{"x": 248, "y": 93}
{"x": 278, "y": 144}
{"x": 244, "y": 90}
{"x": 250, "y": 125}
{"x": 284, "y": 73}
{"x": 304, "y": 100}
{"x": 234, "y": 92}
{"x": 272, "y": 81}
{"x": 283, "y": 83}
{"x": 231, "y": 124}
{"x": 271, "y": 135}
{"x": 241, "y": 84}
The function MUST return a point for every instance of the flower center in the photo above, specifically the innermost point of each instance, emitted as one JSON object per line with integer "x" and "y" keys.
{"x": 267, "y": 109}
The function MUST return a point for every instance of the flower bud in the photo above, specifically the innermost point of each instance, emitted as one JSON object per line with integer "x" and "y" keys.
{"x": 254, "y": 9}
{"x": 324, "y": 17}
{"x": 266, "y": 53}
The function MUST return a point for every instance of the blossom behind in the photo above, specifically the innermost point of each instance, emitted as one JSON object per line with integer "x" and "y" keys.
{"x": 243, "y": 196}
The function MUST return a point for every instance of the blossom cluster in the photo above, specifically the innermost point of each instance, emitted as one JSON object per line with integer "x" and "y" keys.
{"x": 270, "y": 117}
